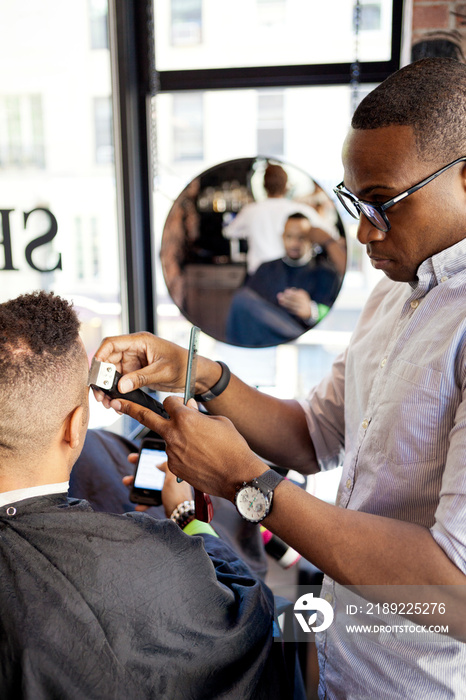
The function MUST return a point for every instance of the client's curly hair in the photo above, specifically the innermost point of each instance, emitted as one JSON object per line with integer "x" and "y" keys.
{"x": 41, "y": 368}
{"x": 42, "y": 321}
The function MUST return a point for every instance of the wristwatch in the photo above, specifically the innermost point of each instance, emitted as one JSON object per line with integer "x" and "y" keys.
{"x": 253, "y": 499}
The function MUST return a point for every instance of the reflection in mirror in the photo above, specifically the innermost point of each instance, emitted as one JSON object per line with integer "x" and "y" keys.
{"x": 254, "y": 252}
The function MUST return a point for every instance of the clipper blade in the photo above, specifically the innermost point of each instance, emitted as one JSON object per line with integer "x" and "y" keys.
{"x": 101, "y": 374}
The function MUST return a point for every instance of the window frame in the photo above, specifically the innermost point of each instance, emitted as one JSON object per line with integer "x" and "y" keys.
{"x": 287, "y": 76}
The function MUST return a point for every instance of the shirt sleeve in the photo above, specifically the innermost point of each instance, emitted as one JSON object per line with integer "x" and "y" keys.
{"x": 239, "y": 227}
{"x": 197, "y": 527}
{"x": 324, "y": 409}
{"x": 449, "y": 530}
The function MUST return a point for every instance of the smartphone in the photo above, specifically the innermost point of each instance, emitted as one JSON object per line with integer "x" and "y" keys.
{"x": 148, "y": 478}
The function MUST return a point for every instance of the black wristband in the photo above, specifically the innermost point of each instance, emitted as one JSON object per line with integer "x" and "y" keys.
{"x": 217, "y": 388}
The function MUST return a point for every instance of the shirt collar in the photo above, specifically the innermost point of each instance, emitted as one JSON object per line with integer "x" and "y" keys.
{"x": 440, "y": 267}
{"x": 32, "y": 492}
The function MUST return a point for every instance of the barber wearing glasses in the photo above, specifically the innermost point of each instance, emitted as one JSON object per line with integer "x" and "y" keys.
{"x": 392, "y": 411}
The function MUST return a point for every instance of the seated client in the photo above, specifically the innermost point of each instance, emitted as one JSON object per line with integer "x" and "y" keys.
{"x": 287, "y": 296}
{"x": 96, "y": 605}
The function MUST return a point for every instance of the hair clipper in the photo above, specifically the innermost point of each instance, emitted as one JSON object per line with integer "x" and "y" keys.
{"x": 104, "y": 376}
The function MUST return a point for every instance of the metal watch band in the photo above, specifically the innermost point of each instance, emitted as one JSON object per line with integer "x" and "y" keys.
{"x": 183, "y": 514}
{"x": 217, "y": 388}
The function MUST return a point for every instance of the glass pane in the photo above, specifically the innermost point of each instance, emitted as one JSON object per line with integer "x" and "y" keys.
{"x": 270, "y": 123}
{"x": 371, "y": 17}
{"x": 188, "y": 137}
{"x": 186, "y": 22}
{"x": 98, "y": 24}
{"x": 57, "y": 177}
{"x": 313, "y": 123}
{"x": 191, "y": 34}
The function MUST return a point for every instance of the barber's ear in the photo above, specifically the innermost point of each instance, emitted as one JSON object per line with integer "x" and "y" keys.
{"x": 74, "y": 427}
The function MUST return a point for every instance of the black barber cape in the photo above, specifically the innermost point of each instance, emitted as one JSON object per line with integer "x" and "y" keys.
{"x": 318, "y": 280}
{"x": 102, "y": 606}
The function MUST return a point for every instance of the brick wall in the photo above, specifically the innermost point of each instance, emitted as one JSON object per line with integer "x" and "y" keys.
{"x": 442, "y": 18}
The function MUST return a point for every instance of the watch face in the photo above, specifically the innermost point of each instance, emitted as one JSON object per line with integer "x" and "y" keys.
{"x": 252, "y": 504}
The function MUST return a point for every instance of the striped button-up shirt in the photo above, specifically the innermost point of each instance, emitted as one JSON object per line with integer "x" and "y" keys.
{"x": 393, "y": 411}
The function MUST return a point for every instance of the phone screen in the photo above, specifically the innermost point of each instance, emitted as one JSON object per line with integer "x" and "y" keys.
{"x": 148, "y": 475}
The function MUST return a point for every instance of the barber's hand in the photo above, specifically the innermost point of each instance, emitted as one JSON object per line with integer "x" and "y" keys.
{"x": 173, "y": 493}
{"x": 319, "y": 236}
{"x": 206, "y": 451}
{"x": 296, "y": 301}
{"x": 145, "y": 360}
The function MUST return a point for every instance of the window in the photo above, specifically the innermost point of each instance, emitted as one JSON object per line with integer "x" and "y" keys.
{"x": 188, "y": 134}
{"x": 98, "y": 16}
{"x": 103, "y": 130}
{"x": 371, "y": 17}
{"x": 58, "y": 228}
{"x": 311, "y": 124}
{"x": 213, "y": 34}
{"x": 271, "y": 12}
{"x": 95, "y": 249}
{"x": 79, "y": 249}
{"x": 186, "y": 22}
{"x": 263, "y": 74}
{"x": 21, "y": 131}
{"x": 270, "y": 131}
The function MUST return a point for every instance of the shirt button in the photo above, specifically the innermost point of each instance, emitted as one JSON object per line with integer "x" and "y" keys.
{"x": 328, "y": 597}
{"x": 444, "y": 278}
{"x": 348, "y": 483}
{"x": 415, "y": 303}
{"x": 365, "y": 423}
{"x": 384, "y": 362}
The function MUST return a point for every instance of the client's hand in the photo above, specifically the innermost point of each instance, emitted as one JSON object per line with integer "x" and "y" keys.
{"x": 173, "y": 493}
{"x": 296, "y": 301}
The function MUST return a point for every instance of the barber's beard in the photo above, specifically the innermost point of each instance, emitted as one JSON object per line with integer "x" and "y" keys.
{"x": 299, "y": 262}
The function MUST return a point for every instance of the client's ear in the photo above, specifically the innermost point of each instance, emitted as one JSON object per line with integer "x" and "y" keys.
{"x": 74, "y": 427}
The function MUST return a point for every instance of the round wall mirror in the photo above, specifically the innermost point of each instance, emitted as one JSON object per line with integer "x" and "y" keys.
{"x": 253, "y": 252}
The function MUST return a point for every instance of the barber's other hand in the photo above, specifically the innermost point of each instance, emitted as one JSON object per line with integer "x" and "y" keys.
{"x": 173, "y": 493}
{"x": 319, "y": 236}
{"x": 206, "y": 451}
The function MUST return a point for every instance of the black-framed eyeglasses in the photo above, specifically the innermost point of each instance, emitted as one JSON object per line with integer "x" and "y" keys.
{"x": 375, "y": 213}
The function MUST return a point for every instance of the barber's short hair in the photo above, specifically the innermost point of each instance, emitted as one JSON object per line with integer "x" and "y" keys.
{"x": 298, "y": 215}
{"x": 429, "y": 96}
{"x": 275, "y": 179}
{"x": 41, "y": 370}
